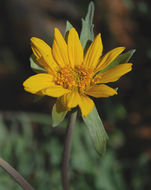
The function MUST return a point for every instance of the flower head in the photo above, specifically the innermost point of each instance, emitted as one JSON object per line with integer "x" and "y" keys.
{"x": 72, "y": 76}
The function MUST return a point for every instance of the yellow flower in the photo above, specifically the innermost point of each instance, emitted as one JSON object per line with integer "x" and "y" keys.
{"x": 72, "y": 76}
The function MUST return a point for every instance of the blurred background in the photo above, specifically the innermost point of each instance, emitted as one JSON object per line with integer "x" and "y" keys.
{"x": 27, "y": 140}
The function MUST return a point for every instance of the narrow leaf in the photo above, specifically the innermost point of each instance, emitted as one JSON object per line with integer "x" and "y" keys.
{"x": 96, "y": 130}
{"x": 57, "y": 117}
{"x": 123, "y": 58}
{"x": 87, "y": 34}
{"x": 35, "y": 66}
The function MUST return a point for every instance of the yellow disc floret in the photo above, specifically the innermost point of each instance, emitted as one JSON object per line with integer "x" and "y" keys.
{"x": 74, "y": 78}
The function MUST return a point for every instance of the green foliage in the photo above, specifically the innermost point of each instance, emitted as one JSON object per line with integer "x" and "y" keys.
{"x": 96, "y": 130}
{"x": 118, "y": 113}
{"x": 34, "y": 148}
{"x": 68, "y": 27}
{"x": 87, "y": 34}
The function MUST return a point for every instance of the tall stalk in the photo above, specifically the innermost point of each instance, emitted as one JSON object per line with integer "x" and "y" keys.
{"x": 67, "y": 150}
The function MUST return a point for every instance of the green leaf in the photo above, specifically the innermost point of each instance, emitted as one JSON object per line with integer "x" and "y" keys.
{"x": 35, "y": 66}
{"x": 87, "y": 34}
{"x": 123, "y": 58}
{"x": 96, "y": 130}
{"x": 57, "y": 117}
{"x": 68, "y": 27}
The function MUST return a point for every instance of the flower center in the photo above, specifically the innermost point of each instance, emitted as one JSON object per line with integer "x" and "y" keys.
{"x": 74, "y": 78}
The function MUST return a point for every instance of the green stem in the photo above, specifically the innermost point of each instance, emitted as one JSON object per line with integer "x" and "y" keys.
{"x": 15, "y": 175}
{"x": 67, "y": 150}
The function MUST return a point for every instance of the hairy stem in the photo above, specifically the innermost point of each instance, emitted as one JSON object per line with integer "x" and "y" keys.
{"x": 67, "y": 150}
{"x": 15, "y": 175}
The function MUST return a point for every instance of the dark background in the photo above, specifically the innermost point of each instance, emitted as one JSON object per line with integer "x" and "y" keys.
{"x": 121, "y": 23}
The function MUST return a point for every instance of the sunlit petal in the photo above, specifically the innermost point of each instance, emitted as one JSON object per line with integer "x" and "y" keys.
{"x": 75, "y": 49}
{"x": 55, "y": 91}
{"x": 37, "y": 82}
{"x": 108, "y": 58}
{"x": 43, "y": 53}
{"x": 101, "y": 91}
{"x": 59, "y": 49}
{"x": 115, "y": 73}
{"x": 86, "y": 105}
{"x": 70, "y": 100}
{"x": 94, "y": 52}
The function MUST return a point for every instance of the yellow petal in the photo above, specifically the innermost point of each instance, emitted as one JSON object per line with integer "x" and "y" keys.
{"x": 86, "y": 105}
{"x": 55, "y": 91}
{"x": 70, "y": 100}
{"x": 94, "y": 52}
{"x": 37, "y": 82}
{"x": 40, "y": 48}
{"x": 75, "y": 49}
{"x": 115, "y": 73}
{"x": 59, "y": 49}
{"x": 108, "y": 58}
{"x": 43, "y": 53}
{"x": 101, "y": 91}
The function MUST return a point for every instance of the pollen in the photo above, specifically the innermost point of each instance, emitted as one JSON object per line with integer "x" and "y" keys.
{"x": 74, "y": 78}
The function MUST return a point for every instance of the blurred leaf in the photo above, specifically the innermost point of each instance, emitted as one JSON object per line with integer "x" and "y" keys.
{"x": 120, "y": 111}
{"x": 117, "y": 139}
{"x": 3, "y": 132}
{"x": 55, "y": 149}
{"x": 87, "y": 34}
{"x": 57, "y": 117}
{"x": 129, "y": 4}
{"x": 43, "y": 119}
{"x": 81, "y": 160}
{"x": 34, "y": 148}
{"x": 143, "y": 7}
{"x": 35, "y": 66}
{"x": 96, "y": 130}
{"x": 123, "y": 58}
{"x": 111, "y": 170}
